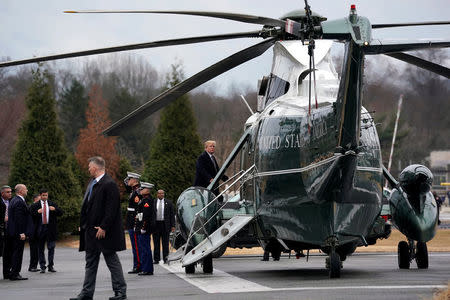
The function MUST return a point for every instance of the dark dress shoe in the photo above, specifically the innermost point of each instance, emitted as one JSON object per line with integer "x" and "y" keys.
{"x": 118, "y": 296}
{"x": 156, "y": 262}
{"x": 134, "y": 271}
{"x": 6, "y": 276}
{"x": 81, "y": 298}
{"x": 33, "y": 270}
{"x": 18, "y": 277}
{"x": 42, "y": 271}
{"x": 145, "y": 273}
{"x": 50, "y": 269}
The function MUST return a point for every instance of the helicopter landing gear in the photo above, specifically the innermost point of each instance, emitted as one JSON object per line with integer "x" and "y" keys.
{"x": 407, "y": 251}
{"x": 333, "y": 264}
{"x": 403, "y": 255}
{"x": 208, "y": 264}
{"x": 422, "y": 255}
{"x": 189, "y": 269}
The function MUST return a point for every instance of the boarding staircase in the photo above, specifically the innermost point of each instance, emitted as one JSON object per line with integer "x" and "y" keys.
{"x": 212, "y": 241}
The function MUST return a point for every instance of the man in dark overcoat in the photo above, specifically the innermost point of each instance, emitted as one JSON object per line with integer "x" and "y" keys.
{"x": 206, "y": 168}
{"x": 101, "y": 230}
{"x": 20, "y": 227}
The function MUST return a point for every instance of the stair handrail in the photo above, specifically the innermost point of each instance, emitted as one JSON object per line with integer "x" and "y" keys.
{"x": 197, "y": 215}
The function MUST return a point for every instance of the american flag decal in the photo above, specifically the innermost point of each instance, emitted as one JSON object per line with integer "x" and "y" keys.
{"x": 289, "y": 27}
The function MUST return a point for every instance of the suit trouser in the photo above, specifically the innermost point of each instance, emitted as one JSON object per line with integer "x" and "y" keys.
{"x": 160, "y": 234}
{"x": 34, "y": 242}
{"x": 7, "y": 255}
{"x": 146, "y": 252}
{"x": 114, "y": 266}
{"x": 17, "y": 256}
{"x": 43, "y": 236}
{"x": 135, "y": 249}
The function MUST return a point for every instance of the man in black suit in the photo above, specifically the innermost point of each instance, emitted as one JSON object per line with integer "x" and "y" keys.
{"x": 46, "y": 212}
{"x": 20, "y": 226}
{"x": 101, "y": 231}
{"x": 165, "y": 223}
{"x": 6, "y": 192}
{"x": 207, "y": 167}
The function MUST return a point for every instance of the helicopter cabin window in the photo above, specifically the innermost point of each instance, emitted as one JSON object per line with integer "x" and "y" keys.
{"x": 327, "y": 88}
{"x": 277, "y": 88}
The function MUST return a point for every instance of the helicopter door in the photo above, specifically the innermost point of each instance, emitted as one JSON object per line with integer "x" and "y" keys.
{"x": 247, "y": 160}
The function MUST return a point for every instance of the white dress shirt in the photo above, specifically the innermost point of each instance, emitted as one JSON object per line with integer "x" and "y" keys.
{"x": 160, "y": 210}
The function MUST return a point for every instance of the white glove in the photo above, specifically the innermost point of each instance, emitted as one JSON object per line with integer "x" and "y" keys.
{"x": 143, "y": 231}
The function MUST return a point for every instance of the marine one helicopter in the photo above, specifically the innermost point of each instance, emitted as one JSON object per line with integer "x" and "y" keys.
{"x": 311, "y": 169}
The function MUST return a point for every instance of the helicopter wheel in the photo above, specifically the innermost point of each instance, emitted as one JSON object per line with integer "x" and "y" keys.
{"x": 403, "y": 255}
{"x": 334, "y": 265}
{"x": 422, "y": 255}
{"x": 208, "y": 264}
{"x": 189, "y": 269}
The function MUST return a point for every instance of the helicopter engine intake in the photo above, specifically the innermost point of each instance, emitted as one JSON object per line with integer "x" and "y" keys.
{"x": 413, "y": 207}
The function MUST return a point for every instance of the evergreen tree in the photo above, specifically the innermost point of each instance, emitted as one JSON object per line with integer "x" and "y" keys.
{"x": 40, "y": 158}
{"x": 91, "y": 141}
{"x": 175, "y": 147}
{"x": 72, "y": 109}
{"x": 133, "y": 142}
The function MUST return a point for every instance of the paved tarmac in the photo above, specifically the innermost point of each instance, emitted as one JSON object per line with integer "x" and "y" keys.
{"x": 364, "y": 276}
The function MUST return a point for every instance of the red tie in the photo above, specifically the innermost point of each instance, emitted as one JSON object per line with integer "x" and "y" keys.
{"x": 44, "y": 213}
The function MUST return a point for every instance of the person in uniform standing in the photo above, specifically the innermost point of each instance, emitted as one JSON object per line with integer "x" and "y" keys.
{"x": 132, "y": 182}
{"x": 144, "y": 226}
{"x": 46, "y": 212}
{"x": 6, "y": 192}
{"x": 165, "y": 223}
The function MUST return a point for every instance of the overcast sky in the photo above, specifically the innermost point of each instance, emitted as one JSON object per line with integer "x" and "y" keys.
{"x": 39, "y": 28}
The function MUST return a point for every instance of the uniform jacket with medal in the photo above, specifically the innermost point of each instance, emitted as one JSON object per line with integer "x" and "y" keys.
{"x": 131, "y": 209}
{"x": 148, "y": 220}
{"x": 102, "y": 209}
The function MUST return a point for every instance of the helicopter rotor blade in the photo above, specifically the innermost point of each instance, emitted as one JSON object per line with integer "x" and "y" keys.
{"x": 221, "y": 15}
{"x": 155, "y": 44}
{"x": 384, "y": 47}
{"x": 376, "y": 26}
{"x": 185, "y": 86}
{"x": 421, "y": 63}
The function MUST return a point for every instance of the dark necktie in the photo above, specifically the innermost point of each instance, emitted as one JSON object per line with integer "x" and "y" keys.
{"x": 90, "y": 188}
{"x": 44, "y": 213}
{"x": 216, "y": 166}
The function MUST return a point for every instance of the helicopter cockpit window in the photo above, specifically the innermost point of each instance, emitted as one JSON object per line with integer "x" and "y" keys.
{"x": 277, "y": 88}
{"x": 326, "y": 87}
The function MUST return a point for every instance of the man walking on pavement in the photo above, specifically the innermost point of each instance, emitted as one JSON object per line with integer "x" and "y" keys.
{"x": 101, "y": 231}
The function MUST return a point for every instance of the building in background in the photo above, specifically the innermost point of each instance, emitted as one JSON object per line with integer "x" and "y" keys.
{"x": 440, "y": 166}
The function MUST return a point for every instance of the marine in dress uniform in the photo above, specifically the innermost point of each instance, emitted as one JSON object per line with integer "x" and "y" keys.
{"x": 133, "y": 183}
{"x": 144, "y": 226}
